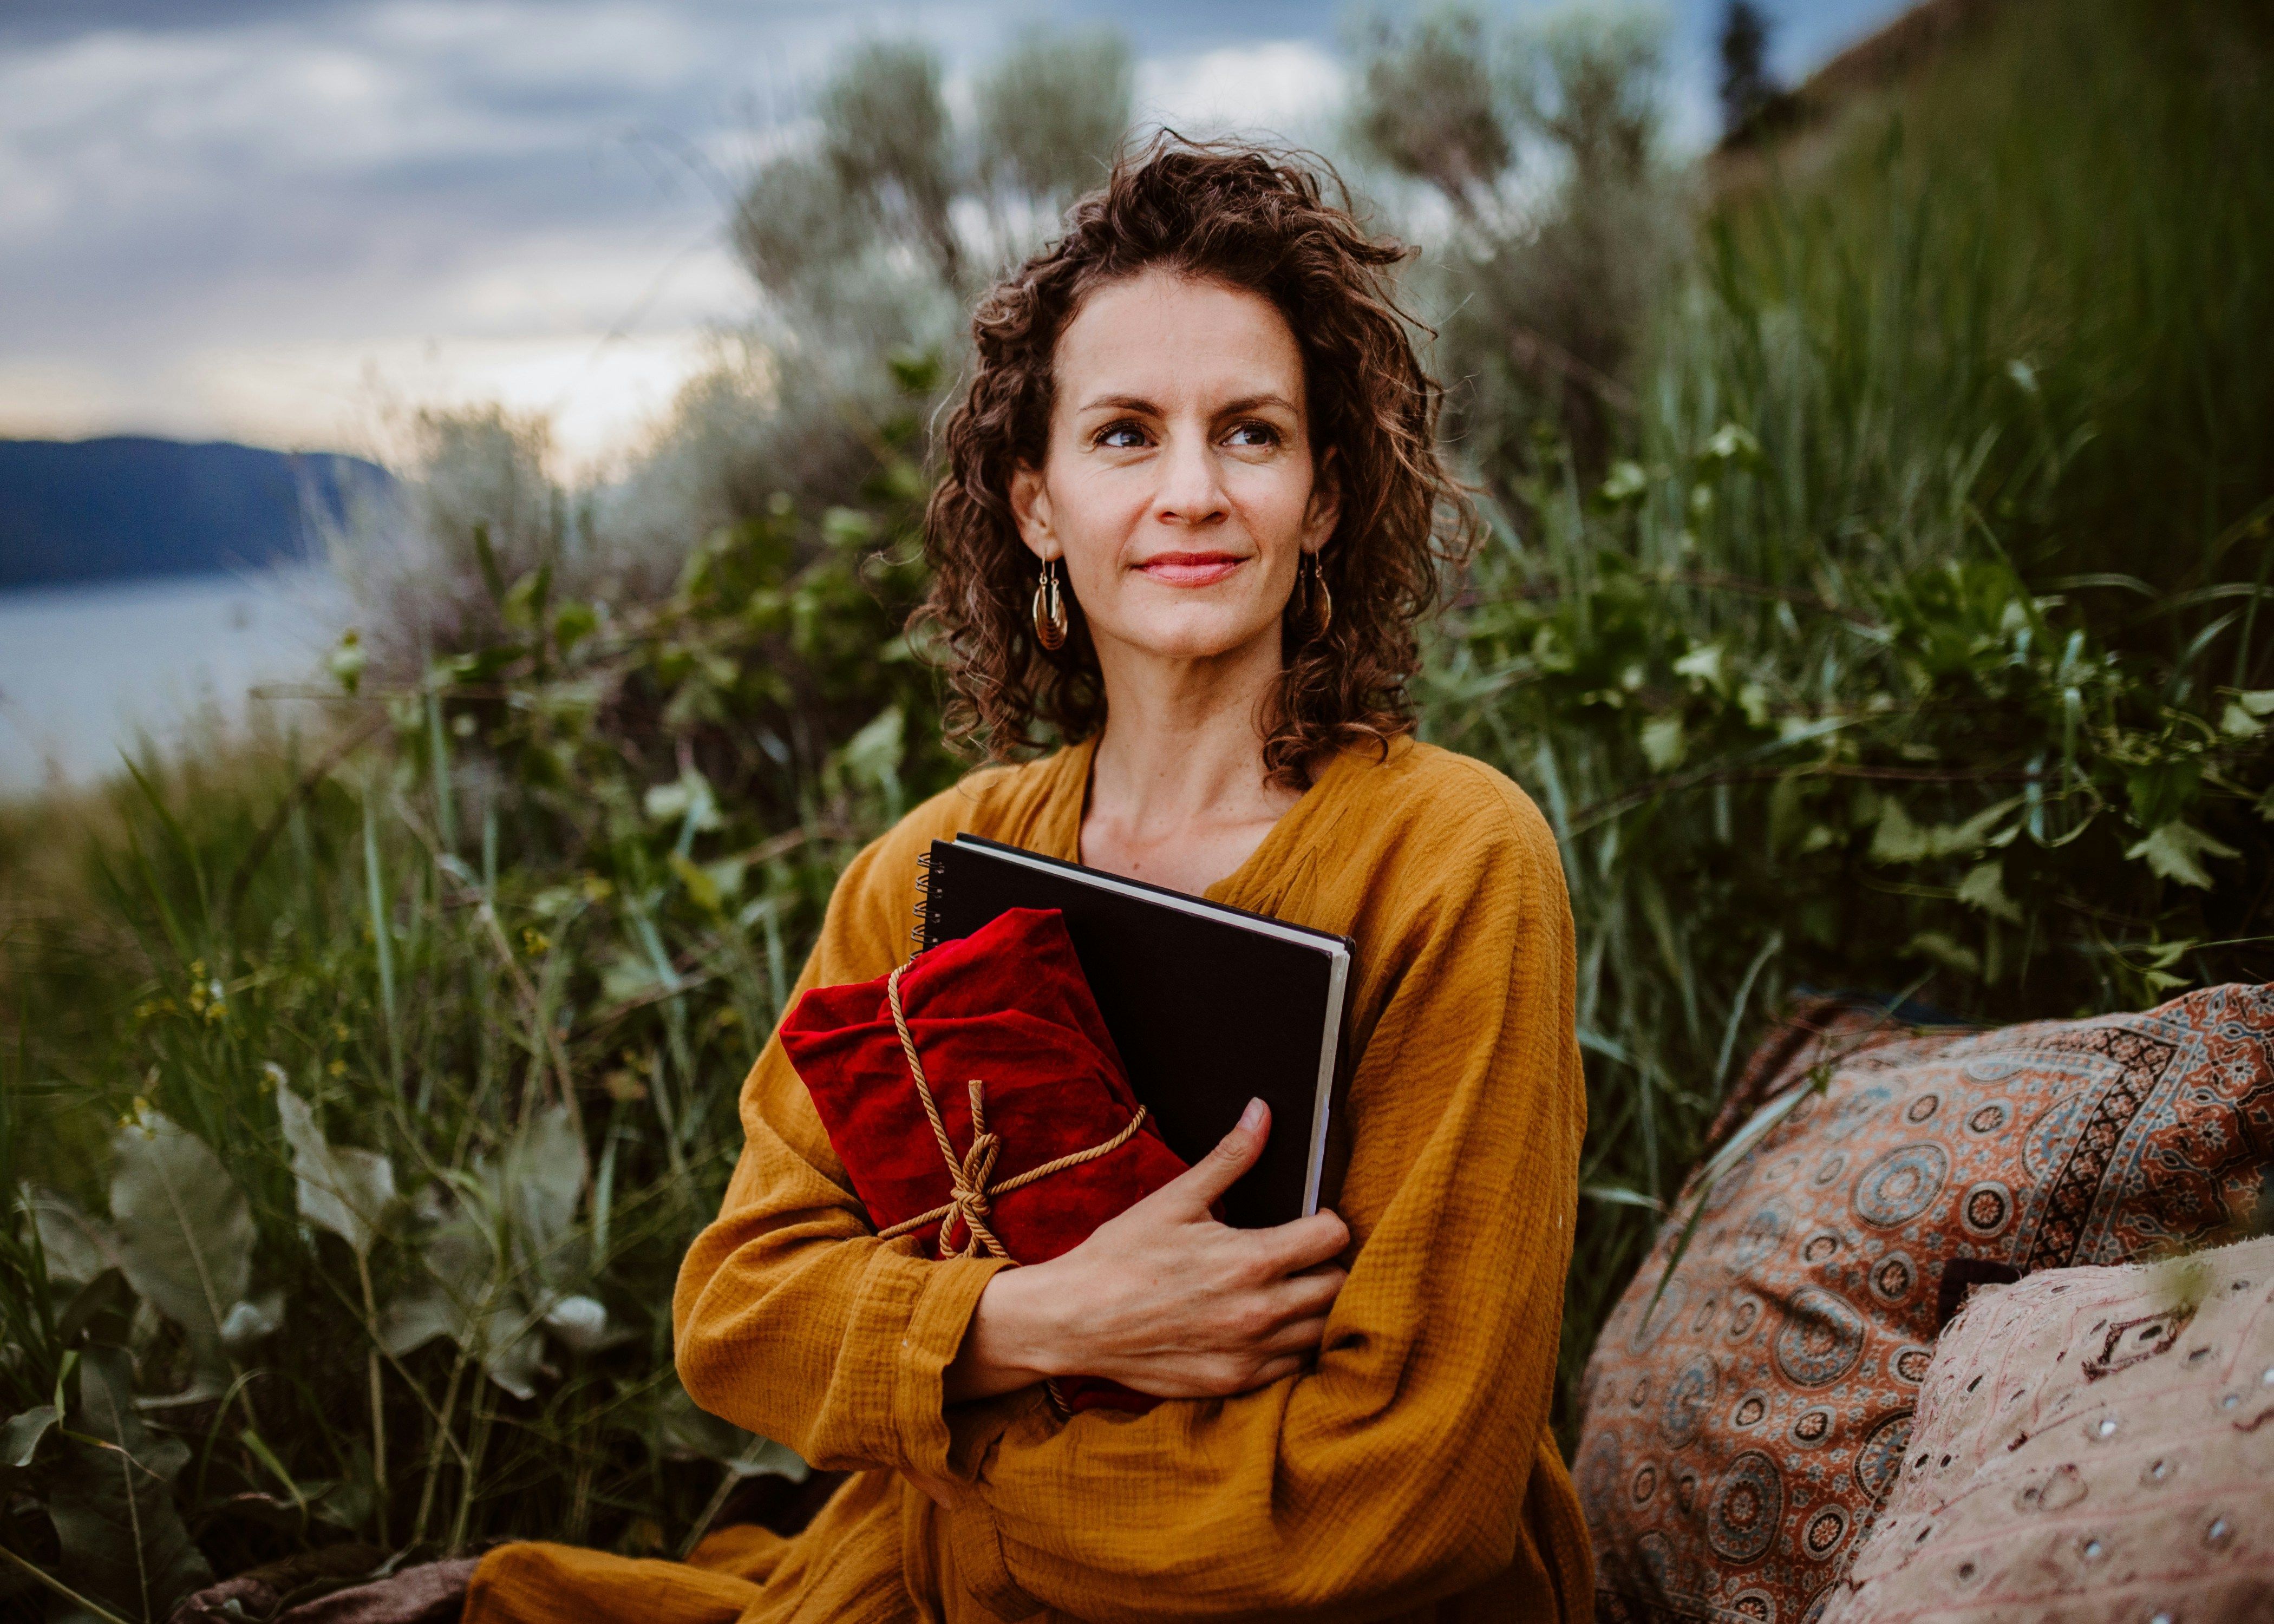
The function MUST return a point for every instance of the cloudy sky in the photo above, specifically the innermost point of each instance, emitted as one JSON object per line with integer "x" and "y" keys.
{"x": 292, "y": 222}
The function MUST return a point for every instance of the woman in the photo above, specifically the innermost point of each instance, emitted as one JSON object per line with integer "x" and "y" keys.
{"x": 1188, "y": 520}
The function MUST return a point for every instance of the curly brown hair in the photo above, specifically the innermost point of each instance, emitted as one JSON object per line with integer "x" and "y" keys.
{"x": 1262, "y": 221}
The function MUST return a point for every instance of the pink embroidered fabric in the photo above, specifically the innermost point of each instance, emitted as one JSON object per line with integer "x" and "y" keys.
{"x": 2091, "y": 1444}
{"x": 1748, "y": 1405}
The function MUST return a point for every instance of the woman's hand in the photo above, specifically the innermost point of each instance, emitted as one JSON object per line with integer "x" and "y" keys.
{"x": 1164, "y": 1298}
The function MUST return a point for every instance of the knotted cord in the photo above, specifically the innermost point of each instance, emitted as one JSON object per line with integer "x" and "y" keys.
{"x": 970, "y": 1202}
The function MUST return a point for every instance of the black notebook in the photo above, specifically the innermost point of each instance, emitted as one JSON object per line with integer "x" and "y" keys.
{"x": 1209, "y": 1005}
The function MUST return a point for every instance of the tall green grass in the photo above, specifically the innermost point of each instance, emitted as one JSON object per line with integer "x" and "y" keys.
{"x": 450, "y": 1007}
{"x": 1917, "y": 646}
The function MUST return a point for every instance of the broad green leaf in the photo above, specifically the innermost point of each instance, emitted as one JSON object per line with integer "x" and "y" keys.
{"x": 847, "y": 527}
{"x": 572, "y": 623}
{"x": 688, "y": 1430}
{"x": 2176, "y": 850}
{"x": 111, "y": 1499}
{"x": 763, "y": 1457}
{"x": 1946, "y": 950}
{"x": 1897, "y": 839}
{"x": 1959, "y": 839}
{"x": 76, "y": 1245}
{"x": 541, "y": 1176}
{"x": 509, "y": 1348}
{"x": 251, "y": 1319}
{"x": 1731, "y": 442}
{"x": 1618, "y": 1196}
{"x": 725, "y": 876}
{"x": 1625, "y": 482}
{"x": 459, "y": 1264}
{"x": 468, "y": 1296}
{"x": 872, "y": 757}
{"x": 22, "y": 1435}
{"x": 690, "y": 797}
{"x": 184, "y": 1232}
{"x": 579, "y": 1322}
{"x": 2160, "y": 957}
{"x": 102, "y": 1310}
{"x": 1702, "y": 664}
{"x": 409, "y": 1322}
{"x": 702, "y": 889}
{"x": 344, "y": 1191}
{"x": 1662, "y": 742}
{"x": 2247, "y": 712}
{"x": 628, "y": 978}
{"x": 1984, "y": 888}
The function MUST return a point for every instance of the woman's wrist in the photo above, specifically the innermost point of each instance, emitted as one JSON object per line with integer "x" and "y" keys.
{"x": 1027, "y": 1328}
{"x": 1017, "y": 1337}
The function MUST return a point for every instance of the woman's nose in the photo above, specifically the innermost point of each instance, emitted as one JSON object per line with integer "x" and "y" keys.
{"x": 1191, "y": 491}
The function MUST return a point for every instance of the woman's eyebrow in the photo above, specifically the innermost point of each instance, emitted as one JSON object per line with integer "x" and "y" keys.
{"x": 1255, "y": 402}
{"x": 1122, "y": 403}
{"x": 1230, "y": 408}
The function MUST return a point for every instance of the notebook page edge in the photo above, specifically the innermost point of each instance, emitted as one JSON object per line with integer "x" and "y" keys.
{"x": 1301, "y": 936}
{"x": 1322, "y": 1098}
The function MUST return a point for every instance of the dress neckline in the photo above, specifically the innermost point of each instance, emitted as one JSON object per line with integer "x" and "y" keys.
{"x": 1069, "y": 800}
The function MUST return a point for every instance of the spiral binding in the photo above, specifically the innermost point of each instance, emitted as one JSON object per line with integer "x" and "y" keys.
{"x": 922, "y": 902}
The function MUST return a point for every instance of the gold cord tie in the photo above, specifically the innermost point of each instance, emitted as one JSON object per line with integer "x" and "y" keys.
{"x": 969, "y": 1202}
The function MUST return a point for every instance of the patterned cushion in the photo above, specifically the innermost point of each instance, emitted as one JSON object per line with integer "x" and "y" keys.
{"x": 1741, "y": 1430}
{"x": 2091, "y": 1445}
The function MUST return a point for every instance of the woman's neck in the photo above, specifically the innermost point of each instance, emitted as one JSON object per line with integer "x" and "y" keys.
{"x": 1177, "y": 791}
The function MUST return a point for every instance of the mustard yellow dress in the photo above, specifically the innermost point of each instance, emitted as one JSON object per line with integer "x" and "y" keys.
{"x": 1411, "y": 1476}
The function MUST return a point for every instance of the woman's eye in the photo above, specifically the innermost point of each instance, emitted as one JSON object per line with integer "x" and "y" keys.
{"x": 1255, "y": 434}
{"x": 1120, "y": 437}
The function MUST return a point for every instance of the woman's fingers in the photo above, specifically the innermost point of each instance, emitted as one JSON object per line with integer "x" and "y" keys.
{"x": 1297, "y": 1336}
{"x": 1271, "y": 1371}
{"x": 1234, "y": 1154}
{"x": 1303, "y": 1244}
{"x": 1301, "y": 1295}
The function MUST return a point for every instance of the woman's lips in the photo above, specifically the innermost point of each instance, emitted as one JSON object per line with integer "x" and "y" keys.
{"x": 1190, "y": 569}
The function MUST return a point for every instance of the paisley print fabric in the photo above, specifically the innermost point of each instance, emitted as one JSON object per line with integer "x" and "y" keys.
{"x": 1742, "y": 1428}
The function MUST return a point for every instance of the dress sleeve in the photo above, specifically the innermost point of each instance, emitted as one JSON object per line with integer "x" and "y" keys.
{"x": 1397, "y": 1471}
{"x": 792, "y": 1319}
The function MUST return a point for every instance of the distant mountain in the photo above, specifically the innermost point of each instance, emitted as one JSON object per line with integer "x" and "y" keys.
{"x": 106, "y": 510}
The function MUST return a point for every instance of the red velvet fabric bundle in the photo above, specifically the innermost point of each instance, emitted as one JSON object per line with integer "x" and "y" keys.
{"x": 1009, "y": 1006}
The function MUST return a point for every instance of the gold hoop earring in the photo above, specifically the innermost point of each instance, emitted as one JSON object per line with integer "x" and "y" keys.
{"x": 1050, "y": 607}
{"x": 1318, "y": 603}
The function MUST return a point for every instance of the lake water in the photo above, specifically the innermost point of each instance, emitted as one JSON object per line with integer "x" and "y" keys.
{"x": 86, "y": 670}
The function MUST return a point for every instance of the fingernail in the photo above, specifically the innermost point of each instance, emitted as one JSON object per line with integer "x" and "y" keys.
{"x": 1252, "y": 1118}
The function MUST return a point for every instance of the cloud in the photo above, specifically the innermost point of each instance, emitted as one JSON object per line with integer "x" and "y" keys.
{"x": 1279, "y": 87}
{"x": 216, "y": 215}
{"x": 253, "y": 219}
{"x": 394, "y": 173}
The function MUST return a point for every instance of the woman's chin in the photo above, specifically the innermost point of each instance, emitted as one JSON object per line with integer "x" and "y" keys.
{"x": 1195, "y": 631}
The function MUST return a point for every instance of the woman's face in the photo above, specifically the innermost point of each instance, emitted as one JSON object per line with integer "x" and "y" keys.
{"x": 1179, "y": 485}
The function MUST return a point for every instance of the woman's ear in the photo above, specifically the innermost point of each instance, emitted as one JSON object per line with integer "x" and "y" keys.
{"x": 1030, "y": 508}
{"x": 1325, "y": 508}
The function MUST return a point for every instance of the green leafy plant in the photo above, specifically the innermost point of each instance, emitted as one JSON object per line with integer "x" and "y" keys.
{"x": 1913, "y": 642}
